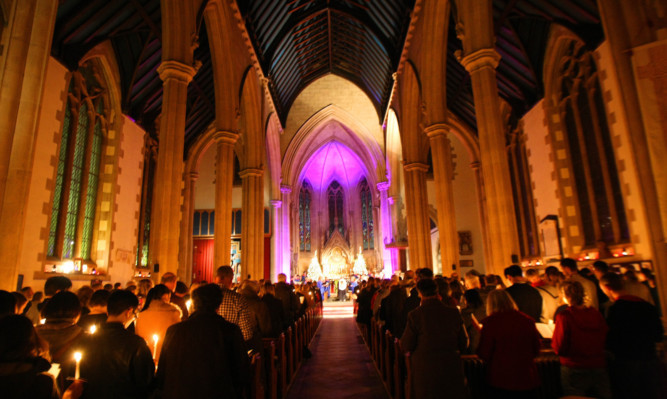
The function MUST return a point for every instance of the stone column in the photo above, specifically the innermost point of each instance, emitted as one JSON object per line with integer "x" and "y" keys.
{"x": 276, "y": 243}
{"x": 481, "y": 208}
{"x": 501, "y": 222}
{"x": 441, "y": 151}
{"x": 166, "y": 212}
{"x": 252, "y": 222}
{"x": 25, "y": 59}
{"x": 224, "y": 180}
{"x": 187, "y": 222}
{"x": 419, "y": 229}
{"x": 285, "y": 227}
{"x": 384, "y": 230}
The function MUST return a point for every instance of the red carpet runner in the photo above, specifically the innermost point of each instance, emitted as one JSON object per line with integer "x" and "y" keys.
{"x": 341, "y": 366}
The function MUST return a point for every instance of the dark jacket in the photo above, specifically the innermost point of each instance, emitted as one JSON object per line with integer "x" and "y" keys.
{"x": 182, "y": 304}
{"x": 116, "y": 364}
{"x": 634, "y": 329}
{"x": 392, "y": 311}
{"x": 62, "y": 335}
{"x": 262, "y": 320}
{"x": 508, "y": 344}
{"x": 434, "y": 335}
{"x": 285, "y": 293}
{"x": 277, "y": 314}
{"x": 27, "y": 380}
{"x": 92, "y": 319}
{"x": 527, "y": 298}
{"x": 203, "y": 357}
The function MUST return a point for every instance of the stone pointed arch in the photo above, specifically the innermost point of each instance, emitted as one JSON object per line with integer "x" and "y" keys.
{"x": 273, "y": 131}
{"x": 306, "y": 141}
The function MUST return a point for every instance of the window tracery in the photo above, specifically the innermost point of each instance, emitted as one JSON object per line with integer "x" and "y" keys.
{"x": 367, "y": 226}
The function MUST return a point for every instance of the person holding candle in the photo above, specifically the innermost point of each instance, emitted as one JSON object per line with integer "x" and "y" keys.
{"x": 579, "y": 341}
{"x": 157, "y": 315}
{"x": 60, "y": 329}
{"x": 116, "y": 363}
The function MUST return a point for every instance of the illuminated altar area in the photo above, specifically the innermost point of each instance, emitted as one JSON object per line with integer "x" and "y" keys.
{"x": 336, "y": 211}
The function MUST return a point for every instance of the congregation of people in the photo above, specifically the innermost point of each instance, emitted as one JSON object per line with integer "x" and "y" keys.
{"x": 173, "y": 341}
{"x": 603, "y": 324}
{"x": 143, "y": 340}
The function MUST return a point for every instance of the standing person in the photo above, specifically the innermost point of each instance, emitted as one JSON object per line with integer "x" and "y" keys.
{"x": 579, "y": 341}
{"x": 634, "y": 330}
{"x": 157, "y": 315}
{"x": 178, "y": 298}
{"x": 212, "y": 350}
{"x": 508, "y": 344}
{"x": 249, "y": 289}
{"x": 571, "y": 272}
{"x": 52, "y": 286}
{"x": 435, "y": 337}
{"x": 342, "y": 289}
{"x": 22, "y": 367}
{"x": 526, "y": 298}
{"x": 98, "y": 310}
{"x": 234, "y": 307}
{"x": 275, "y": 307}
{"x": 117, "y": 363}
{"x": 285, "y": 293}
{"x": 60, "y": 329}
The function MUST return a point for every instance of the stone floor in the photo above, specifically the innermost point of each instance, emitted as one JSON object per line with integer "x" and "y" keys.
{"x": 340, "y": 366}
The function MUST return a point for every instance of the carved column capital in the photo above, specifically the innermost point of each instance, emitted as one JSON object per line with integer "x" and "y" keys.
{"x": 415, "y": 166}
{"x": 176, "y": 70}
{"x": 285, "y": 189}
{"x": 383, "y": 186}
{"x": 437, "y": 129}
{"x": 193, "y": 176}
{"x": 486, "y": 57}
{"x": 251, "y": 172}
{"x": 475, "y": 165}
{"x": 276, "y": 203}
{"x": 226, "y": 137}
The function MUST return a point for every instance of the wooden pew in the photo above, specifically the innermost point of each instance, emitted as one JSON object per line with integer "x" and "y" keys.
{"x": 271, "y": 368}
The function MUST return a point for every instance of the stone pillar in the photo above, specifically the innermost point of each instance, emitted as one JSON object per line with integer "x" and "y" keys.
{"x": 285, "y": 227}
{"x": 500, "y": 218}
{"x": 252, "y": 222}
{"x": 419, "y": 229}
{"x": 24, "y": 59}
{"x": 384, "y": 230}
{"x": 481, "y": 208}
{"x": 393, "y": 251}
{"x": 441, "y": 151}
{"x": 276, "y": 243}
{"x": 187, "y": 222}
{"x": 166, "y": 212}
{"x": 224, "y": 181}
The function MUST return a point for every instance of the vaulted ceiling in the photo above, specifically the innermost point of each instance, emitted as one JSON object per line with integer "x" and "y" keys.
{"x": 298, "y": 41}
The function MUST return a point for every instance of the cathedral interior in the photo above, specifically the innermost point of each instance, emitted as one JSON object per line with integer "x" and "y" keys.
{"x": 140, "y": 137}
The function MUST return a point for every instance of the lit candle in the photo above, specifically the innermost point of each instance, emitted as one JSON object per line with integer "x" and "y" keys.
{"x": 42, "y": 321}
{"x": 155, "y": 339}
{"x": 77, "y": 357}
{"x": 188, "y": 304}
{"x": 92, "y": 329}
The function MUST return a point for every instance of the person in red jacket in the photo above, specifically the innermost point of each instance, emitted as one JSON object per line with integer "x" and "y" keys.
{"x": 508, "y": 344}
{"x": 579, "y": 341}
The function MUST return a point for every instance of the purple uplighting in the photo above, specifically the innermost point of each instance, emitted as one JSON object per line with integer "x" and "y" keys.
{"x": 333, "y": 161}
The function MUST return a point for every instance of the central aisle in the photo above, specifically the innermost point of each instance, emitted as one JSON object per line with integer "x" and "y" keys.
{"x": 341, "y": 366}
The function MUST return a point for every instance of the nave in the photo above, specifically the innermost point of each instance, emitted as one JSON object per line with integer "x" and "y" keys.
{"x": 340, "y": 366}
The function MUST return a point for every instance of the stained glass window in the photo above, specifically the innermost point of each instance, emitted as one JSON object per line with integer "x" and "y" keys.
{"x": 77, "y": 174}
{"x": 591, "y": 152}
{"x": 367, "y": 215}
{"x": 304, "y": 216}
{"x": 335, "y": 199}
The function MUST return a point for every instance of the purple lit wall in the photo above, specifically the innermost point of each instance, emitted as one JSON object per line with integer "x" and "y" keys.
{"x": 333, "y": 161}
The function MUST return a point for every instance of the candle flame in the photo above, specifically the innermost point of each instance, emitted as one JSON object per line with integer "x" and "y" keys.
{"x": 77, "y": 356}
{"x": 42, "y": 321}
{"x": 155, "y": 338}
{"x": 93, "y": 328}
{"x": 188, "y": 304}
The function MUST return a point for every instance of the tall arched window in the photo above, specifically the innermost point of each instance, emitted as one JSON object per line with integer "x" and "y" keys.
{"x": 143, "y": 239}
{"x": 522, "y": 194}
{"x": 304, "y": 216}
{"x": 335, "y": 200}
{"x": 367, "y": 215}
{"x": 76, "y": 183}
{"x": 591, "y": 156}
